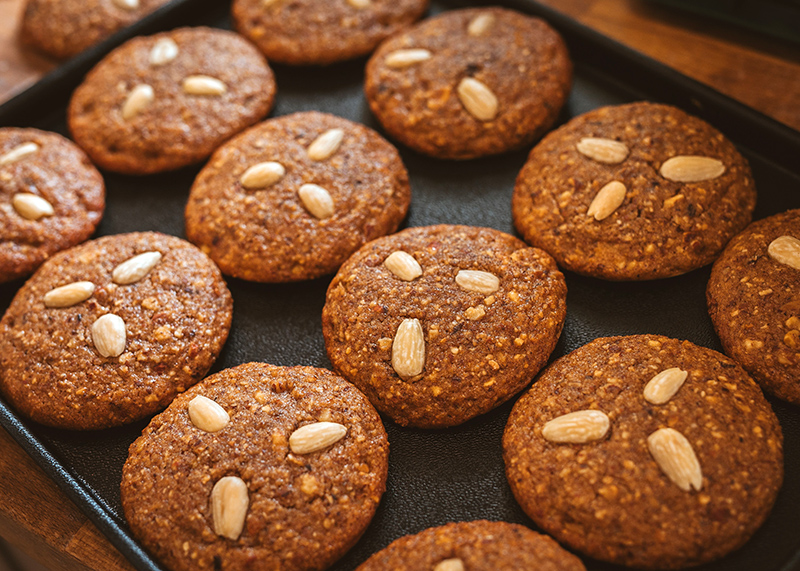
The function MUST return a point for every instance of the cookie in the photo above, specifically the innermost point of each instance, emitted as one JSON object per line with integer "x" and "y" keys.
{"x": 633, "y": 192}
{"x": 479, "y": 544}
{"x": 161, "y": 102}
{"x": 110, "y": 331}
{"x": 306, "y": 32}
{"x": 294, "y": 197}
{"x": 469, "y": 83}
{"x": 257, "y": 467}
{"x": 754, "y": 302}
{"x": 64, "y": 28}
{"x": 439, "y": 324}
{"x": 52, "y": 198}
{"x": 645, "y": 451}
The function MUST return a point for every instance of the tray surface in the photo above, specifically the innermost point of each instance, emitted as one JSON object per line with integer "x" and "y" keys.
{"x": 447, "y": 475}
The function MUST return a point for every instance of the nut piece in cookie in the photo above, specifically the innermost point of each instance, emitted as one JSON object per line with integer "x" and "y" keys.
{"x": 437, "y": 346}
{"x": 633, "y": 192}
{"x": 290, "y": 479}
{"x": 682, "y": 463}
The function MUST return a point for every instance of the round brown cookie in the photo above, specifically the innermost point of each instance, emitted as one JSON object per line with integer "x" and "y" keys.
{"x": 469, "y": 83}
{"x": 121, "y": 340}
{"x": 165, "y": 101}
{"x": 293, "y": 197}
{"x": 754, "y": 302}
{"x": 452, "y": 326}
{"x": 64, "y": 28}
{"x": 292, "y": 502}
{"x": 51, "y": 198}
{"x": 494, "y": 545}
{"x": 626, "y": 480}
{"x": 608, "y": 194}
{"x": 303, "y": 32}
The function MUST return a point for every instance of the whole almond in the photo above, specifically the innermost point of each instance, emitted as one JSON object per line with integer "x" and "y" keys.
{"x": 229, "y": 503}
{"x": 577, "y": 427}
{"x": 139, "y": 99}
{"x": 203, "y": 85}
{"x": 126, "y": 4}
{"x": 454, "y": 564}
{"x": 607, "y": 200}
{"x": 607, "y": 151}
{"x": 316, "y": 200}
{"x": 403, "y": 265}
{"x": 676, "y": 458}
{"x": 207, "y": 415}
{"x": 134, "y": 269}
{"x": 478, "y": 281}
{"x": 360, "y": 4}
{"x": 480, "y": 24}
{"x": 405, "y": 58}
{"x": 262, "y": 175}
{"x": 314, "y": 437}
{"x": 785, "y": 250}
{"x": 164, "y": 51}
{"x": 325, "y": 145}
{"x": 18, "y": 152}
{"x": 109, "y": 335}
{"x": 69, "y": 295}
{"x": 664, "y": 385}
{"x": 691, "y": 168}
{"x": 408, "y": 349}
{"x": 477, "y": 99}
{"x": 31, "y": 206}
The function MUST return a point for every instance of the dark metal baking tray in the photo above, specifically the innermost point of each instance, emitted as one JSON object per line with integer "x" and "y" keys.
{"x": 454, "y": 474}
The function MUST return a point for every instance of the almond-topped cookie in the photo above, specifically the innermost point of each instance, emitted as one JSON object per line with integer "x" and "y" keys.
{"x": 257, "y": 467}
{"x": 439, "y": 324}
{"x": 110, "y": 331}
{"x": 161, "y": 102}
{"x": 645, "y": 451}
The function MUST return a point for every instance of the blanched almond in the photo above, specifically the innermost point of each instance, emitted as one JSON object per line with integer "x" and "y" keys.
{"x": 403, "y": 265}
{"x": 69, "y": 295}
{"x": 135, "y": 268}
{"x": 577, "y": 427}
{"x": 31, "y": 206}
{"x": 314, "y": 437}
{"x": 207, "y": 415}
{"x": 229, "y": 503}
{"x": 675, "y": 456}
{"x": 691, "y": 168}
{"x": 408, "y": 349}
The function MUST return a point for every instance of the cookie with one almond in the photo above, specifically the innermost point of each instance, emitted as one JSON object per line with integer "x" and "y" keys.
{"x": 257, "y": 467}
{"x": 51, "y": 198}
{"x": 161, "y": 102}
{"x": 645, "y": 451}
{"x": 439, "y": 324}
{"x": 754, "y": 302}
{"x": 469, "y": 83}
{"x": 292, "y": 198}
{"x": 108, "y": 332}
{"x": 633, "y": 192}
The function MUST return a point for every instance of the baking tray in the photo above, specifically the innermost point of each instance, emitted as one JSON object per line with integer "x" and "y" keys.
{"x": 435, "y": 476}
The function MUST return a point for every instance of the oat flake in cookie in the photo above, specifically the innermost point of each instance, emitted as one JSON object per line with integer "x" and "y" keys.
{"x": 633, "y": 192}
{"x": 291, "y": 198}
{"x": 289, "y": 478}
{"x": 754, "y": 301}
{"x": 469, "y": 83}
{"x": 439, "y": 324}
{"x": 645, "y": 451}
{"x": 161, "y": 102}
{"x": 51, "y": 198}
{"x": 110, "y": 331}
{"x": 489, "y": 545}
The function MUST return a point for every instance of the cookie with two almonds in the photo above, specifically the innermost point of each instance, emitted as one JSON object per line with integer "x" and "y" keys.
{"x": 633, "y": 192}
{"x": 645, "y": 451}
{"x": 439, "y": 324}
{"x": 257, "y": 467}
{"x": 469, "y": 83}
{"x": 110, "y": 331}
{"x": 754, "y": 302}
{"x": 51, "y": 198}
{"x": 165, "y": 101}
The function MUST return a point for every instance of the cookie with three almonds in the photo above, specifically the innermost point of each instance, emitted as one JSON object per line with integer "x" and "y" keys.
{"x": 478, "y": 544}
{"x": 161, "y": 102}
{"x": 645, "y": 451}
{"x": 51, "y": 198}
{"x": 293, "y": 197}
{"x": 257, "y": 467}
{"x": 469, "y": 83}
{"x": 64, "y": 28}
{"x": 633, "y": 192}
{"x": 439, "y": 324}
{"x": 309, "y": 32}
{"x": 754, "y": 302}
{"x": 110, "y": 331}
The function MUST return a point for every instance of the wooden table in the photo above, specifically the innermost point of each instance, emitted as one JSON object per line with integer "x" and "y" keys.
{"x": 758, "y": 71}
